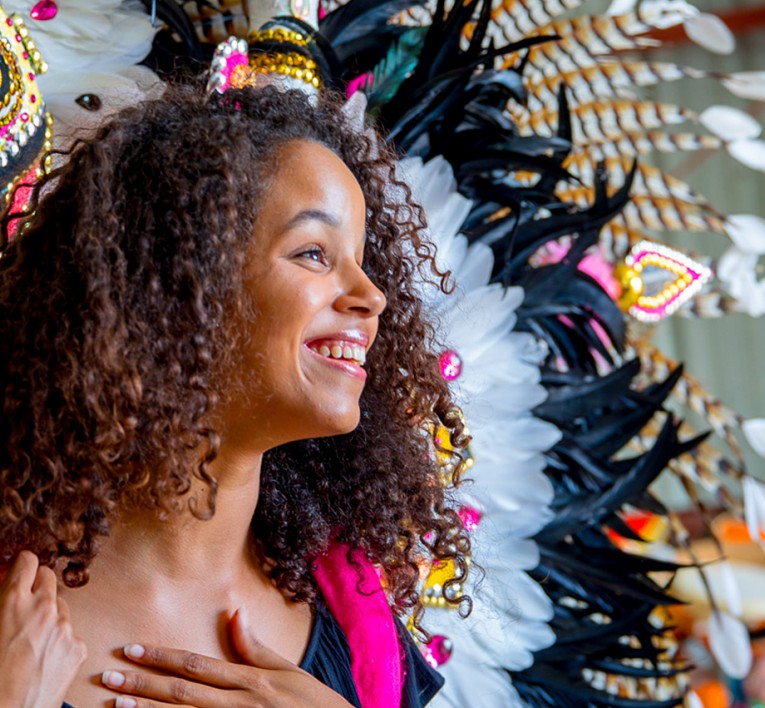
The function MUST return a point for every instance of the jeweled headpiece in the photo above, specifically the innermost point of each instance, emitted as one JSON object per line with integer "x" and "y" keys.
{"x": 280, "y": 52}
{"x": 25, "y": 125}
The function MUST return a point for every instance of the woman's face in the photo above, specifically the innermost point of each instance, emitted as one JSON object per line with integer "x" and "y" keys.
{"x": 315, "y": 312}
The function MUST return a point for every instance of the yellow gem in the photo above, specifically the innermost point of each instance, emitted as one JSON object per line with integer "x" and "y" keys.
{"x": 631, "y": 285}
{"x": 440, "y": 573}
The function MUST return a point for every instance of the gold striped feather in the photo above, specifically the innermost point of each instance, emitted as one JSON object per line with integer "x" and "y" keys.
{"x": 605, "y": 78}
{"x": 633, "y": 144}
{"x": 514, "y": 19}
{"x": 606, "y": 120}
{"x": 649, "y": 179}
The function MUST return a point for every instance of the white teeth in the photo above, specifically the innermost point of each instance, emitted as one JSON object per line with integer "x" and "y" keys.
{"x": 343, "y": 351}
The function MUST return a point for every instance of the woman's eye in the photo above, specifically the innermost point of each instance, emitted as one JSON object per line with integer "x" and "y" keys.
{"x": 314, "y": 254}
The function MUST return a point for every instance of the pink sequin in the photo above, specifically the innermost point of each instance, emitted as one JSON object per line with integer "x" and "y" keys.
{"x": 438, "y": 650}
{"x": 470, "y": 517}
{"x": 44, "y": 10}
{"x": 450, "y": 365}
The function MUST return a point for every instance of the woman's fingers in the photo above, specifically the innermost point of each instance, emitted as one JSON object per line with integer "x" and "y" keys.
{"x": 167, "y": 689}
{"x": 250, "y": 649}
{"x": 201, "y": 669}
{"x": 22, "y": 572}
{"x": 45, "y": 582}
{"x": 136, "y": 702}
{"x": 63, "y": 610}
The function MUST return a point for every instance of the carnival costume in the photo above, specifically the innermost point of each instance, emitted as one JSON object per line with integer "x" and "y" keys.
{"x": 525, "y": 139}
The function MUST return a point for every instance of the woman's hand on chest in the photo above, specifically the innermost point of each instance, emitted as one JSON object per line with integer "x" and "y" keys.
{"x": 265, "y": 679}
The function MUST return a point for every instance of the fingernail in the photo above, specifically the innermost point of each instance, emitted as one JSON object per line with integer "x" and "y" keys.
{"x": 113, "y": 678}
{"x": 134, "y": 651}
{"x": 125, "y": 702}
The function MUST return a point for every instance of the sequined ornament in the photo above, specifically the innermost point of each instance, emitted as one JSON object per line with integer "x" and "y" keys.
{"x": 436, "y": 592}
{"x": 667, "y": 279}
{"x": 238, "y": 63}
{"x": 470, "y": 517}
{"x": 438, "y": 650}
{"x": 44, "y": 10}
{"x": 450, "y": 365}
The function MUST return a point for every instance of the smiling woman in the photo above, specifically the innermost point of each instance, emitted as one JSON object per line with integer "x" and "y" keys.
{"x": 216, "y": 386}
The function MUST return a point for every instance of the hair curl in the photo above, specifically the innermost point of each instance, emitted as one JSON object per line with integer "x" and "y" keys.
{"x": 115, "y": 302}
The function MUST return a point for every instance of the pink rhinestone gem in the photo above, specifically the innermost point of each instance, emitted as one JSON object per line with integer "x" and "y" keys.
{"x": 31, "y": 76}
{"x": 44, "y": 10}
{"x": 18, "y": 37}
{"x": 450, "y": 365}
{"x": 470, "y": 516}
{"x": 25, "y": 55}
{"x": 9, "y": 22}
{"x": 33, "y": 98}
{"x": 24, "y": 117}
{"x": 438, "y": 650}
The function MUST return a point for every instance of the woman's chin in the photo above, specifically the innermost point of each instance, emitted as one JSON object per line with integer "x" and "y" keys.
{"x": 338, "y": 424}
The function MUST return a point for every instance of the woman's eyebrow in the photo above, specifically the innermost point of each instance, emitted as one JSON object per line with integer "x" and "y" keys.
{"x": 313, "y": 215}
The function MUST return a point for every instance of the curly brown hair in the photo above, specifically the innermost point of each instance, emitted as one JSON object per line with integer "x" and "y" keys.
{"x": 115, "y": 305}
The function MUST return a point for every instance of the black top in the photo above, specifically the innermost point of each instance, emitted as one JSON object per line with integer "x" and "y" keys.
{"x": 328, "y": 658}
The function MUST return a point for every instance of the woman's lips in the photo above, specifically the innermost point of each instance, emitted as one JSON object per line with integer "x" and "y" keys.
{"x": 349, "y": 366}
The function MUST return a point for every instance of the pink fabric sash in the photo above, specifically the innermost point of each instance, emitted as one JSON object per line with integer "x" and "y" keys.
{"x": 355, "y": 597}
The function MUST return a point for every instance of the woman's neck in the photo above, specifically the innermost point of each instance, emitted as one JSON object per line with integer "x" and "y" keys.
{"x": 183, "y": 546}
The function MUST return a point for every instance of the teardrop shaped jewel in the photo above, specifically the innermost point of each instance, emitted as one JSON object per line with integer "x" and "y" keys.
{"x": 44, "y": 10}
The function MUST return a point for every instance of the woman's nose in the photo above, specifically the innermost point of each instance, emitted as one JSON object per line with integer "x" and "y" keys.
{"x": 361, "y": 295}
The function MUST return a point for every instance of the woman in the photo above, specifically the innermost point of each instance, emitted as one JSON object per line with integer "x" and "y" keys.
{"x": 215, "y": 372}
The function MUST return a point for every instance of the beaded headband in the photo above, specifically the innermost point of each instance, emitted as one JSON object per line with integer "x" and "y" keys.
{"x": 25, "y": 125}
{"x": 273, "y": 54}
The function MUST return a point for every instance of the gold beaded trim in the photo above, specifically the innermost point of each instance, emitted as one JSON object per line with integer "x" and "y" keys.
{"x": 277, "y": 34}
{"x": 295, "y": 65}
{"x": 33, "y": 54}
{"x": 14, "y": 92}
{"x": 42, "y": 166}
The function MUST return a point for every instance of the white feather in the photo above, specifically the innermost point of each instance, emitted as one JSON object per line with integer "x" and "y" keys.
{"x": 730, "y": 123}
{"x": 747, "y": 232}
{"x": 462, "y": 689}
{"x": 730, "y": 645}
{"x": 666, "y": 13}
{"x": 749, "y": 85}
{"x": 754, "y": 507}
{"x": 754, "y": 431}
{"x": 711, "y": 33}
{"x": 749, "y": 152}
{"x": 726, "y": 587}
{"x": 621, "y": 7}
